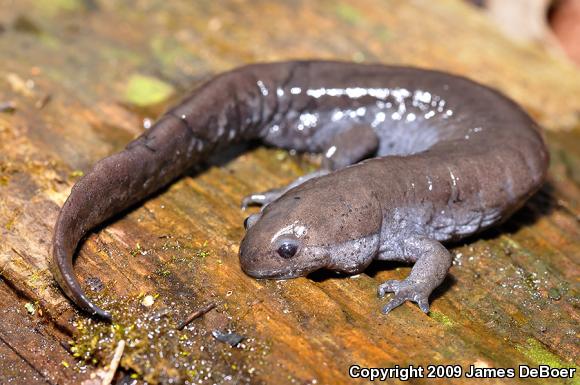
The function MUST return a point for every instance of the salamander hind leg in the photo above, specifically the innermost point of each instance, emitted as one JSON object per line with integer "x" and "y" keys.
{"x": 432, "y": 262}
{"x": 350, "y": 146}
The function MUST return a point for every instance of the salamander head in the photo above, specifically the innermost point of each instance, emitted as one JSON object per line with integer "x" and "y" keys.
{"x": 278, "y": 246}
{"x": 297, "y": 234}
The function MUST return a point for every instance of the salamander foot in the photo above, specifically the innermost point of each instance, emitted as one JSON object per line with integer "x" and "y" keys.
{"x": 406, "y": 290}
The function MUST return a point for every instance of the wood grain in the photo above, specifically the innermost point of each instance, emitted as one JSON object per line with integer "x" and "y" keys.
{"x": 66, "y": 65}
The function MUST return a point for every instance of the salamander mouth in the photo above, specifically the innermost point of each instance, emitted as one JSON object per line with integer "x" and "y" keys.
{"x": 275, "y": 274}
{"x": 266, "y": 274}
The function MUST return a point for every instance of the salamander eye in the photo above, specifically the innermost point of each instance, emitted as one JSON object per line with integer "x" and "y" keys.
{"x": 287, "y": 249}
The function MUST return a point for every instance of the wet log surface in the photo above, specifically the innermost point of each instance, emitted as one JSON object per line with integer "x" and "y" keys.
{"x": 79, "y": 79}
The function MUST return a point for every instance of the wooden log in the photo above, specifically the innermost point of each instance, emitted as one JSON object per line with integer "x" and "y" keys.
{"x": 85, "y": 76}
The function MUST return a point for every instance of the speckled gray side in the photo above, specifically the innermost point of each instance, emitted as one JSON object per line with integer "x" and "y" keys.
{"x": 450, "y": 157}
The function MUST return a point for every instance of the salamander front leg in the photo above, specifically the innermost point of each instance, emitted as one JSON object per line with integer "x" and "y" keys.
{"x": 264, "y": 198}
{"x": 347, "y": 147}
{"x": 432, "y": 262}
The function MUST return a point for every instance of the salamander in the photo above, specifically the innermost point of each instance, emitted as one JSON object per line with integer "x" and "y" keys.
{"x": 411, "y": 158}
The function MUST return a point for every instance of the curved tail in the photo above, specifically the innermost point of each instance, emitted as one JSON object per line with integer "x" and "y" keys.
{"x": 218, "y": 113}
{"x": 114, "y": 184}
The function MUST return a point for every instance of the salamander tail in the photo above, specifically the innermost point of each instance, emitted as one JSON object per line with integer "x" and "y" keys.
{"x": 62, "y": 270}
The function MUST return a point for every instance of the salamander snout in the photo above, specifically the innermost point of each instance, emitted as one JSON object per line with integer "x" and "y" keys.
{"x": 265, "y": 258}
{"x": 278, "y": 245}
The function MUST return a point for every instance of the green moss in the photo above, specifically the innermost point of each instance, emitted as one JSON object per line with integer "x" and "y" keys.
{"x": 157, "y": 352}
{"x": 136, "y": 250}
{"x": 441, "y": 318}
{"x": 122, "y": 54}
{"x": 76, "y": 174}
{"x": 34, "y": 277}
{"x": 163, "y": 271}
{"x": 171, "y": 53}
{"x": 510, "y": 244}
{"x": 52, "y": 7}
{"x": 536, "y": 352}
{"x": 144, "y": 91}
{"x": 10, "y": 224}
{"x": 202, "y": 251}
{"x": 554, "y": 294}
{"x": 348, "y": 13}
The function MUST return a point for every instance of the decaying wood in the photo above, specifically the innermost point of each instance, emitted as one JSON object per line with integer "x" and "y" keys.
{"x": 83, "y": 77}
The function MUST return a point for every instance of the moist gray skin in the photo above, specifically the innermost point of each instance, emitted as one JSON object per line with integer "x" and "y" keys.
{"x": 445, "y": 158}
